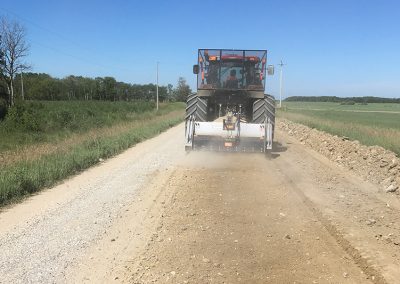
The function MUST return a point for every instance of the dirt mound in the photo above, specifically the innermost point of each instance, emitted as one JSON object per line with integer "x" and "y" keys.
{"x": 373, "y": 163}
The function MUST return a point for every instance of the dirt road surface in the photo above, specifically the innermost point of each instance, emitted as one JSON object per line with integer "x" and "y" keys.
{"x": 155, "y": 214}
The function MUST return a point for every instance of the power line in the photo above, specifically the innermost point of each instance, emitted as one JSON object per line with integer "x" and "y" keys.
{"x": 45, "y": 29}
{"x": 67, "y": 40}
{"x": 70, "y": 55}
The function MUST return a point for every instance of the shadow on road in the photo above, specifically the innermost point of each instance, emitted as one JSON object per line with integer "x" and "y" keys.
{"x": 277, "y": 148}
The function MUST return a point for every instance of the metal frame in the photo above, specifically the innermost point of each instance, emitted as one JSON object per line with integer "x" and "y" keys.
{"x": 205, "y": 130}
{"x": 268, "y": 135}
{"x": 189, "y": 132}
{"x": 199, "y": 54}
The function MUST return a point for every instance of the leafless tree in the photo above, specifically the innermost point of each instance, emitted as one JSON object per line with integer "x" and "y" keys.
{"x": 13, "y": 49}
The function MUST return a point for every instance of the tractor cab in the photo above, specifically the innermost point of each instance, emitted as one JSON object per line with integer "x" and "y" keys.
{"x": 231, "y": 69}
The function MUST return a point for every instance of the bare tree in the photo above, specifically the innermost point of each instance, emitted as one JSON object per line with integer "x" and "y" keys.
{"x": 13, "y": 49}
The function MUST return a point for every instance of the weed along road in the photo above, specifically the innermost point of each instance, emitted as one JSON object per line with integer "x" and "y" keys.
{"x": 157, "y": 214}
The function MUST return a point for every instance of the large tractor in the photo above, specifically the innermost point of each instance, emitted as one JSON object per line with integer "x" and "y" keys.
{"x": 230, "y": 111}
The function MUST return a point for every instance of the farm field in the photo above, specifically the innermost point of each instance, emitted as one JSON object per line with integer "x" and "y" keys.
{"x": 371, "y": 107}
{"x": 372, "y": 124}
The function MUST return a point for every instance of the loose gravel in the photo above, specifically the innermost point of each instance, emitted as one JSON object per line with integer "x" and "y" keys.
{"x": 42, "y": 248}
{"x": 373, "y": 163}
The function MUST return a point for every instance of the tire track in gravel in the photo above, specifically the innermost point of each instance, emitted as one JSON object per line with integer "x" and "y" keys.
{"x": 356, "y": 213}
{"x": 155, "y": 214}
{"x": 362, "y": 262}
{"x": 235, "y": 219}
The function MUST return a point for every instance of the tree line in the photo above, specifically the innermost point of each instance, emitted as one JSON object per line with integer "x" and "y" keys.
{"x": 41, "y": 86}
{"x": 335, "y": 99}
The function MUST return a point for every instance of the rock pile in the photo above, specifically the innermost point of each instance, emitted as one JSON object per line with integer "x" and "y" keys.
{"x": 373, "y": 163}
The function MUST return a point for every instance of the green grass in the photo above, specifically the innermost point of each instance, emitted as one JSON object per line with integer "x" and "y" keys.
{"x": 372, "y": 127}
{"x": 28, "y": 176}
{"x": 338, "y": 107}
{"x": 44, "y": 121}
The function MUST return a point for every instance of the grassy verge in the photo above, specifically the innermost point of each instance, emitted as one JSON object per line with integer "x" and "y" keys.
{"x": 369, "y": 128}
{"x": 34, "y": 122}
{"x": 28, "y": 176}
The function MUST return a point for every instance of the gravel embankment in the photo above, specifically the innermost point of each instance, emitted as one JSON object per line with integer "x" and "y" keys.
{"x": 373, "y": 163}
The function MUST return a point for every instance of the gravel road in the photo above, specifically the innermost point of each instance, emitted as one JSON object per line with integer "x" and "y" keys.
{"x": 157, "y": 214}
{"x": 54, "y": 228}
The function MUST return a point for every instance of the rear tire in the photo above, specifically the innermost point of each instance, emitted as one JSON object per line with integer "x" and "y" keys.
{"x": 263, "y": 109}
{"x": 197, "y": 107}
{"x": 259, "y": 111}
{"x": 270, "y": 111}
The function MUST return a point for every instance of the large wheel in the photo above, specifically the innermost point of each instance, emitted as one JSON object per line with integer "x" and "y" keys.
{"x": 259, "y": 111}
{"x": 263, "y": 109}
{"x": 196, "y": 106}
{"x": 270, "y": 109}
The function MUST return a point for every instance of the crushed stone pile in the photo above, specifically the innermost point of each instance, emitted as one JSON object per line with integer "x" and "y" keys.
{"x": 373, "y": 163}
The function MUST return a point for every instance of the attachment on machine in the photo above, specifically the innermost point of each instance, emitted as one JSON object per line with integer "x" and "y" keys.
{"x": 230, "y": 111}
{"x": 227, "y": 135}
{"x": 189, "y": 132}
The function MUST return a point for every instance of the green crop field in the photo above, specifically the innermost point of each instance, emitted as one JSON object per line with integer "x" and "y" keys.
{"x": 372, "y": 107}
{"x": 44, "y": 142}
{"x": 371, "y": 124}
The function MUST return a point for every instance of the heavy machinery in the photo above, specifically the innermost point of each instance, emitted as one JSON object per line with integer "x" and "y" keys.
{"x": 230, "y": 111}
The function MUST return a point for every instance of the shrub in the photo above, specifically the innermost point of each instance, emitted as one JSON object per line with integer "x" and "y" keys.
{"x": 65, "y": 118}
{"x": 24, "y": 116}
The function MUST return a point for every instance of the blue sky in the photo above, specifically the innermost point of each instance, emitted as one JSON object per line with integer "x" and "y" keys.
{"x": 343, "y": 48}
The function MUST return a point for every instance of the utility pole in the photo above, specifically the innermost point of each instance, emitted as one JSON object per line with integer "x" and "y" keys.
{"x": 22, "y": 88}
{"x": 280, "y": 84}
{"x": 157, "y": 85}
